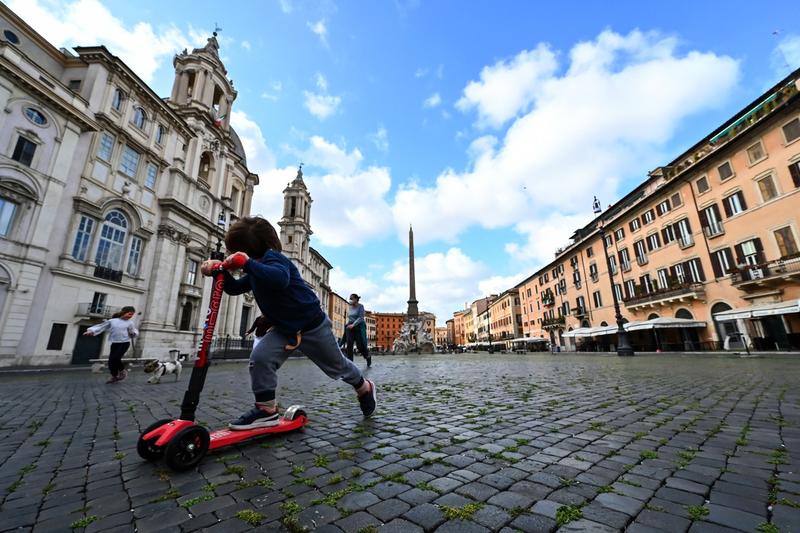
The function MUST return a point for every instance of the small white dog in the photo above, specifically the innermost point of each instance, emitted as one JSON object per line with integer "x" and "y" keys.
{"x": 161, "y": 368}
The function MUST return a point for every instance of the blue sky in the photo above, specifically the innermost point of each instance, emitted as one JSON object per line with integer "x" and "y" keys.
{"x": 488, "y": 125}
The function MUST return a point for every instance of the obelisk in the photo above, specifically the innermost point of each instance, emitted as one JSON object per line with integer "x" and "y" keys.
{"x": 412, "y": 311}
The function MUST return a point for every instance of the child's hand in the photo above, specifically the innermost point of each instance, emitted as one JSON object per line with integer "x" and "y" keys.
{"x": 88, "y": 333}
{"x": 235, "y": 261}
{"x": 207, "y": 267}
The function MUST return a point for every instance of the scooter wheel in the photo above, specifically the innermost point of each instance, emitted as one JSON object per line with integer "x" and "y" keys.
{"x": 147, "y": 448}
{"x": 187, "y": 448}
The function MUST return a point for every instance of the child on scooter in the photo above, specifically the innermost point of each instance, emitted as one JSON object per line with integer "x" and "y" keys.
{"x": 292, "y": 309}
{"x": 122, "y": 331}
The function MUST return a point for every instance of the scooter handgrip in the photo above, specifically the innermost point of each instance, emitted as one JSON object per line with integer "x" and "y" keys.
{"x": 235, "y": 261}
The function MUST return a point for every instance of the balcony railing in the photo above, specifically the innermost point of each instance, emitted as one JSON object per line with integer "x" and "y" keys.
{"x": 765, "y": 274}
{"x": 96, "y": 310}
{"x": 714, "y": 229}
{"x": 595, "y": 276}
{"x": 108, "y": 273}
{"x": 578, "y": 284}
{"x": 641, "y": 260}
{"x": 579, "y": 312}
{"x": 675, "y": 291}
{"x": 685, "y": 241}
{"x": 553, "y": 322}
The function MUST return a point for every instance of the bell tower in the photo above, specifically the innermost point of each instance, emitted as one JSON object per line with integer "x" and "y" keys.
{"x": 296, "y": 221}
{"x": 201, "y": 84}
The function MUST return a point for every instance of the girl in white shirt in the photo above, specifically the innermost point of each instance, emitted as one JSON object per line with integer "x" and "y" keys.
{"x": 122, "y": 331}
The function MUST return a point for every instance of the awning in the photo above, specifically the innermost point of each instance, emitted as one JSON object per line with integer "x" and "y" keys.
{"x": 529, "y": 339}
{"x": 579, "y": 332}
{"x": 666, "y": 322}
{"x": 756, "y": 311}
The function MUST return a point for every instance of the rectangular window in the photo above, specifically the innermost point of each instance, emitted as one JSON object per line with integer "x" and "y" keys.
{"x": 663, "y": 278}
{"x": 82, "y": 238}
{"x": 593, "y": 272}
{"x": 7, "y": 209}
{"x": 663, "y": 208}
{"x": 676, "y": 200}
{"x": 129, "y": 163}
{"x": 684, "y": 233}
{"x": 74, "y": 85}
{"x": 750, "y": 252}
{"x": 680, "y": 273}
{"x": 635, "y": 225}
{"x": 630, "y": 289}
{"x": 98, "y": 303}
{"x": 668, "y": 234}
{"x": 135, "y": 256}
{"x": 106, "y": 147}
{"x": 653, "y": 242}
{"x": 755, "y": 153}
{"x": 791, "y": 130}
{"x": 23, "y": 151}
{"x": 646, "y": 284}
{"x": 766, "y": 187}
{"x": 620, "y": 234}
{"x": 711, "y": 220}
{"x": 702, "y": 185}
{"x": 786, "y": 243}
{"x": 722, "y": 262}
{"x": 612, "y": 261}
{"x": 734, "y": 204}
{"x": 191, "y": 272}
{"x": 150, "y": 179}
{"x": 725, "y": 171}
{"x": 641, "y": 253}
{"x": 695, "y": 269}
{"x": 56, "y": 340}
{"x": 609, "y": 241}
{"x": 589, "y": 252}
{"x": 648, "y": 217}
{"x": 618, "y": 292}
{"x": 625, "y": 260}
{"x": 794, "y": 171}
{"x": 598, "y": 300}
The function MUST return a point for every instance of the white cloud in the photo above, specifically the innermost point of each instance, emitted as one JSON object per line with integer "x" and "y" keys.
{"x": 786, "y": 55}
{"x": 583, "y": 127}
{"x": 321, "y": 104}
{"x": 421, "y": 72}
{"x": 432, "y": 101}
{"x": 267, "y": 196}
{"x": 286, "y": 6}
{"x": 380, "y": 139}
{"x": 88, "y": 22}
{"x": 330, "y": 157}
{"x": 319, "y": 29}
{"x": 498, "y": 284}
{"x": 247, "y": 46}
{"x": 508, "y": 87}
{"x": 274, "y": 91}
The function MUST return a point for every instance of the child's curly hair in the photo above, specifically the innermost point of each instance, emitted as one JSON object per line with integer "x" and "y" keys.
{"x": 253, "y": 236}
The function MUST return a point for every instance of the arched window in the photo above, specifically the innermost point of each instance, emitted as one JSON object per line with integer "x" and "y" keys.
{"x": 139, "y": 118}
{"x": 116, "y": 102}
{"x": 604, "y": 323}
{"x": 205, "y": 166}
{"x": 112, "y": 241}
{"x": 652, "y": 316}
{"x": 684, "y": 313}
{"x": 160, "y": 134}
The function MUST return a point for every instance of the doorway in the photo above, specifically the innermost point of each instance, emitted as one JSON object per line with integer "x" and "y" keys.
{"x": 86, "y": 348}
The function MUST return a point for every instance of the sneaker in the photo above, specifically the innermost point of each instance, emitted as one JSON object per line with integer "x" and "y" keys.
{"x": 369, "y": 361}
{"x": 122, "y": 375}
{"x": 369, "y": 400}
{"x": 113, "y": 379}
{"x": 256, "y": 418}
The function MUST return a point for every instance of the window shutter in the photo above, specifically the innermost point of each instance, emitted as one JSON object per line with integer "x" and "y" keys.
{"x": 667, "y": 204}
{"x": 759, "y": 250}
{"x": 688, "y": 226}
{"x": 715, "y": 208}
{"x": 794, "y": 170}
{"x": 703, "y": 218}
{"x": 726, "y": 205}
{"x": 729, "y": 256}
{"x": 741, "y": 200}
{"x": 739, "y": 254}
{"x": 649, "y": 246}
{"x": 716, "y": 266}
{"x": 630, "y": 226}
{"x": 700, "y": 270}
{"x": 643, "y": 221}
{"x": 664, "y": 235}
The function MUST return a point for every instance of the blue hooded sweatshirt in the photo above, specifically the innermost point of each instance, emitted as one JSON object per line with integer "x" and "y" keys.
{"x": 285, "y": 299}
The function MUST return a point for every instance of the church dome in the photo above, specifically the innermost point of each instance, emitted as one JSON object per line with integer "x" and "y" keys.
{"x": 238, "y": 149}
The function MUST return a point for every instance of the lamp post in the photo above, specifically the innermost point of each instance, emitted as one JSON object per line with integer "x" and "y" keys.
{"x": 623, "y": 345}
{"x": 489, "y": 329}
{"x": 218, "y": 255}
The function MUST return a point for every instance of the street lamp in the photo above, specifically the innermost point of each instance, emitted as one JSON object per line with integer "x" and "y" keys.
{"x": 218, "y": 254}
{"x": 489, "y": 329}
{"x": 623, "y": 346}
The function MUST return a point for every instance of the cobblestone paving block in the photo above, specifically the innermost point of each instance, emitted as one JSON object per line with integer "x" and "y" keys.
{"x": 399, "y": 525}
{"x": 427, "y": 516}
{"x": 734, "y": 518}
{"x": 533, "y": 523}
{"x": 459, "y": 526}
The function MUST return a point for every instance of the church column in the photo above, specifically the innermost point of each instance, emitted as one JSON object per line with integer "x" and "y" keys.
{"x": 199, "y": 83}
{"x": 183, "y": 87}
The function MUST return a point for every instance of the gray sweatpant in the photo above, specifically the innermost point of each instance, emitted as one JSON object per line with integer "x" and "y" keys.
{"x": 319, "y": 345}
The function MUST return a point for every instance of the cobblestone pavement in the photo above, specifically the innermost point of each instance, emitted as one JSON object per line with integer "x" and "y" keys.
{"x": 461, "y": 443}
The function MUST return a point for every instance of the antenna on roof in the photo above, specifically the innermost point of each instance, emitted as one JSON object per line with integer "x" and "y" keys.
{"x": 217, "y": 29}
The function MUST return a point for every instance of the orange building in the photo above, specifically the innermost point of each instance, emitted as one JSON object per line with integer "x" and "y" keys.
{"x": 451, "y": 332}
{"x": 460, "y": 326}
{"x": 387, "y": 328}
{"x": 337, "y": 312}
{"x": 505, "y": 317}
{"x": 703, "y": 254}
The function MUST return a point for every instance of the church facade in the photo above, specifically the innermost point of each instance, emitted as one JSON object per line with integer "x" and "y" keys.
{"x": 110, "y": 196}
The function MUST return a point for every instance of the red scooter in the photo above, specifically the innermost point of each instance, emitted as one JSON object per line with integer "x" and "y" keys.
{"x": 182, "y": 442}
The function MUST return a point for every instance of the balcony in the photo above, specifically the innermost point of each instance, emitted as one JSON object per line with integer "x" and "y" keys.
{"x": 190, "y": 290}
{"x": 108, "y": 273}
{"x": 714, "y": 229}
{"x": 93, "y": 310}
{"x": 595, "y": 277}
{"x": 579, "y": 312}
{"x": 553, "y": 323}
{"x": 548, "y": 300}
{"x": 766, "y": 275}
{"x": 641, "y": 260}
{"x": 578, "y": 284}
{"x": 677, "y": 292}
{"x": 626, "y": 266}
{"x": 685, "y": 241}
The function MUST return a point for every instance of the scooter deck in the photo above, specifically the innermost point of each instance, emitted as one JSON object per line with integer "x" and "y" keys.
{"x": 226, "y": 437}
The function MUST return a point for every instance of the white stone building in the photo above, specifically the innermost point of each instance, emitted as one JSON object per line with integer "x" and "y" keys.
{"x": 109, "y": 196}
{"x": 296, "y": 239}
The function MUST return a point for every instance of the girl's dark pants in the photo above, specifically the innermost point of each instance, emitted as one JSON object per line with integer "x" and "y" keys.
{"x": 118, "y": 349}
{"x": 356, "y": 335}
